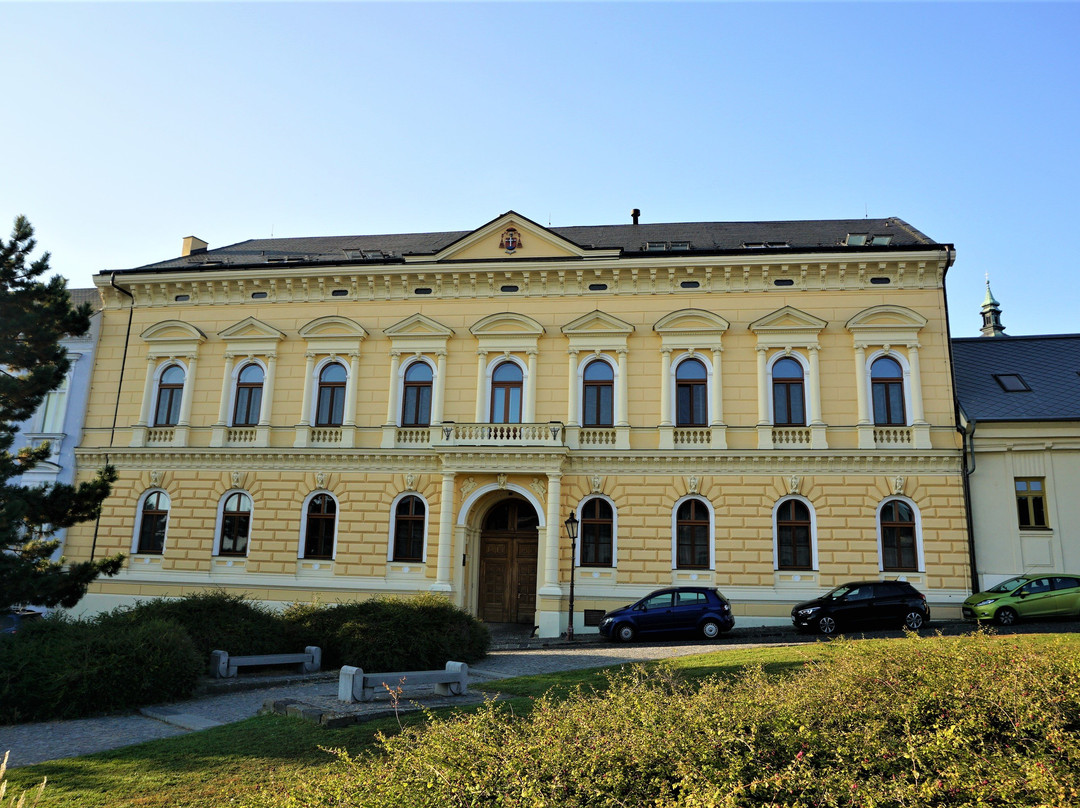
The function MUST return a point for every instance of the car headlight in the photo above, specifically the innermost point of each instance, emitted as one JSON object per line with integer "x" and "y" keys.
{"x": 606, "y": 621}
{"x": 811, "y": 610}
{"x": 986, "y": 602}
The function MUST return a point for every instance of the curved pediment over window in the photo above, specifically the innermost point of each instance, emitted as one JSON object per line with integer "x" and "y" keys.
{"x": 886, "y": 324}
{"x": 173, "y": 337}
{"x": 507, "y": 331}
{"x": 690, "y": 328}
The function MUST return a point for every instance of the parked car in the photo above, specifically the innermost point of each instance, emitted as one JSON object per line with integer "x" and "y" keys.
{"x": 11, "y": 622}
{"x": 1026, "y": 596}
{"x": 863, "y": 603}
{"x": 672, "y": 610}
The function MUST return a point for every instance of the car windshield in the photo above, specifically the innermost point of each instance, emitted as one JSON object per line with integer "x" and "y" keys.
{"x": 839, "y": 592}
{"x": 1008, "y": 586}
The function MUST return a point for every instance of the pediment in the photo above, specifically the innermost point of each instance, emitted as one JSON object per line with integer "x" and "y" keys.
{"x": 511, "y": 236}
{"x": 788, "y": 319}
{"x": 597, "y": 323}
{"x": 691, "y": 321}
{"x": 506, "y": 324}
{"x": 419, "y": 326}
{"x": 332, "y": 326}
{"x": 172, "y": 331}
{"x": 886, "y": 317}
{"x": 250, "y": 329}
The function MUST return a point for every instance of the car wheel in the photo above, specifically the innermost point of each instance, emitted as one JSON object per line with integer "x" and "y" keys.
{"x": 1005, "y": 616}
{"x": 625, "y": 632}
{"x": 826, "y": 625}
{"x": 914, "y": 620}
{"x": 710, "y": 629}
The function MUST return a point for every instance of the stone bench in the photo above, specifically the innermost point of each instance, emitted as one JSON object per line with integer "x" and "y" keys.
{"x": 355, "y": 685}
{"x": 223, "y": 666}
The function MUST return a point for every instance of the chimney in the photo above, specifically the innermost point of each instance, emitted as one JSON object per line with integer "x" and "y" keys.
{"x": 192, "y": 246}
{"x": 634, "y": 215}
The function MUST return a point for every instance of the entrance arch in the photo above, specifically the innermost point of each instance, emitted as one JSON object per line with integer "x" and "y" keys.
{"x": 509, "y": 541}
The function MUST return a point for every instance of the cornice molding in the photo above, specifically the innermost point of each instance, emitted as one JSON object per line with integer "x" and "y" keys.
{"x": 653, "y": 274}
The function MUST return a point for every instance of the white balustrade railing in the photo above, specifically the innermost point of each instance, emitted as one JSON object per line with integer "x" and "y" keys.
{"x": 413, "y": 436}
{"x": 241, "y": 434}
{"x": 549, "y": 434}
{"x": 797, "y": 437}
{"x": 160, "y": 434}
{"x": 886, "y": 436}
{"x": 325, "y": 435}
{"x": 692, "y": 436}
{"x": 593, "y": 436}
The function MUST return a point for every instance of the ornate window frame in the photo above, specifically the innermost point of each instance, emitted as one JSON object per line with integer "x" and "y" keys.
{"x": 220, "y": 521}
{"x": 919, "y": 558}
{"x": 614, "y": 532}
{"x": 302, "y": 548}
{"x": 805, "y": 364}
{"x": 392, "y": 537}
{"x": 813, "y": 534}
{"x": 675, "y": 538}
{"x": 139, "y": 519}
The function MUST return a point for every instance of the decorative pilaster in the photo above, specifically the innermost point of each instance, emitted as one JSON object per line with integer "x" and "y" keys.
{"x": 529, "y": 416}
{"x": 572, "y": 388}
{"x": 764, "y": 426}
{"x": 184, "y": 424}
{"x": 864, "y": 427}
{"x": 550, "y": 549}
{"x": 818, "y": 439}
{"x": 920, "y": 429}
{"x": 481, "y": 390}
{"x": 262, "y": 431}
{"x": 138, "y": 432}
{"x": 446, "y": 535}
{"x": 221, "y": 428}
{"x": 303, "y": 429}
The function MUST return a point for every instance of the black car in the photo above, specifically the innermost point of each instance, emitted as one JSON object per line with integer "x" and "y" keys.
{"x": 863, "y": 603}
{"x": 676, "y": 609}
{"x": 11, "y": 622}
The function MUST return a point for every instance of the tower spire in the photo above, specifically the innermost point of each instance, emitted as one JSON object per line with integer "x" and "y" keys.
{"x": 991, "y": 314}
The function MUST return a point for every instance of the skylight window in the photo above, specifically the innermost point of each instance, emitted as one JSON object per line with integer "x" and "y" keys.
{"x": 680, "y": 245}
{"x": 754, "y": 245}
{"x": 655, "y": 246}
{"x": 881, "y": 241}
{"x": 857, "y": 239}
{"x": 1012, "y": 382}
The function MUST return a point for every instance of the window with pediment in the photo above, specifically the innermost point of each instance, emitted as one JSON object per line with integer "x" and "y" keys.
{"x": 691, "y": 393}
{"x": 598, "y": 394}
{"x": 330, "y": 400}
{"x": 789, "y": 393}
{"x": 170, "y": 393}
{"x": 249, "y": 392}
{"x": 506, "y": 388}
{"x": 416, "y": 394}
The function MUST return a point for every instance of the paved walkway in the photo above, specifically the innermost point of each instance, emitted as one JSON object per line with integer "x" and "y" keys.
{"x": 35, "y": 743}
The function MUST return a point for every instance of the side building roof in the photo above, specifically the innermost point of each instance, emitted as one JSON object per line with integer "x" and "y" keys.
{"x": 1049, "y": 366}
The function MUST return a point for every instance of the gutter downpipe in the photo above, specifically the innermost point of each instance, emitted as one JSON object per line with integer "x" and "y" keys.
{"x": 119, "y": 385}
{"x": 965, "y": 437}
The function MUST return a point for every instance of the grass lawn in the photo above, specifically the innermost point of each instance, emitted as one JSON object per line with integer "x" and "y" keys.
{"x": 263, "y": 760}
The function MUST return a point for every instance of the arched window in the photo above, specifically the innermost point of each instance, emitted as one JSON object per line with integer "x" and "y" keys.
{"x": 170, "y": 392}
{"x": 899, "y": 545}
{"x": 789, "y": 402}
{"x": 235, "y": 525}
{"x": 506, "y": 385}
{"x": 416, "y": 401}
{"x": 409, "y": 518}
{"x": 692, "y": 539}
{"x": 319, "y": 527}
{"x": 691, "y": 396}
{"x": 597, "y": 533}
{"x": 249, "y": 389}
{"x": 598, "y": 395}
{"x": 153, "y": 520}
{"x": 330, "y": 409}
{"x": 887, "y": 384}
{"x": 793, "y": 536}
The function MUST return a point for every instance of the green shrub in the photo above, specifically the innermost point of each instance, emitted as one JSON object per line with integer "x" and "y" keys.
{"x": 61, "y": 668}
{"x": 422, "y": 632}
{"x": 215, "y": 620}
{"x": 972, "y": 722}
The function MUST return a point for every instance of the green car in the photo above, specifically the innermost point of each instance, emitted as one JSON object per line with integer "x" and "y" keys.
{"x": 1026, "y": 596}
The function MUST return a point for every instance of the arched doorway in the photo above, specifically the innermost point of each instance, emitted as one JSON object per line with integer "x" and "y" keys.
{"x": 508, "y": 547}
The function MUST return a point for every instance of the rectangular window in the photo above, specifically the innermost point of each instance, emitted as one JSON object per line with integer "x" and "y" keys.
{"x": 1031, "y": 503}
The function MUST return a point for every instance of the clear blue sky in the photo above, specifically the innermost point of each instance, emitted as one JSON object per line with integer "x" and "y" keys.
{"x": 129, "y": 126}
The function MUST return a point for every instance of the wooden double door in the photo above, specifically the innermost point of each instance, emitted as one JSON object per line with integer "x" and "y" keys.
{"x": 508, "y": 555}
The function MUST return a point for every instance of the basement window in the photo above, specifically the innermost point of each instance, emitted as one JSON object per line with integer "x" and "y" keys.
{"x": 422, "y": 290}
{"x": 1012, "y": 382}
{"x": 880, "y": 281}
{"x": 689, "y": 284}
{"x": 508, "y": 288}
{"x": 182, "y": 298}
{"x": 597, "y": 287}
{"x": 784, "y": 282}
{"x": 340, "y": 293}
{"x": 258, "y": 295}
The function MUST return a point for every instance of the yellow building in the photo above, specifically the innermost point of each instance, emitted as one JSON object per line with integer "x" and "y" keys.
{"x": 765, "y": 407}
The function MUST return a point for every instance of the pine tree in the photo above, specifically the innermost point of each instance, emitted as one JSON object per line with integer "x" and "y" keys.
{"x": 35, "y": 315}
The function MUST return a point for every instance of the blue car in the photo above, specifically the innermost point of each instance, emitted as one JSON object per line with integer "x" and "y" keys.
{"x": 677, "y": 609}
{"x": 11, "y": 622}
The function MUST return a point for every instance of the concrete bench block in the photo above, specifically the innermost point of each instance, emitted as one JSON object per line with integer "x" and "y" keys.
{"x": 223, "y": 666}
{"x": 355, "y": 685}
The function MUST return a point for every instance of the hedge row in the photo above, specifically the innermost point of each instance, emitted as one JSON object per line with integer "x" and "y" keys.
{"x": 156, "y": 650}
{"x": 916, "y": 722}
